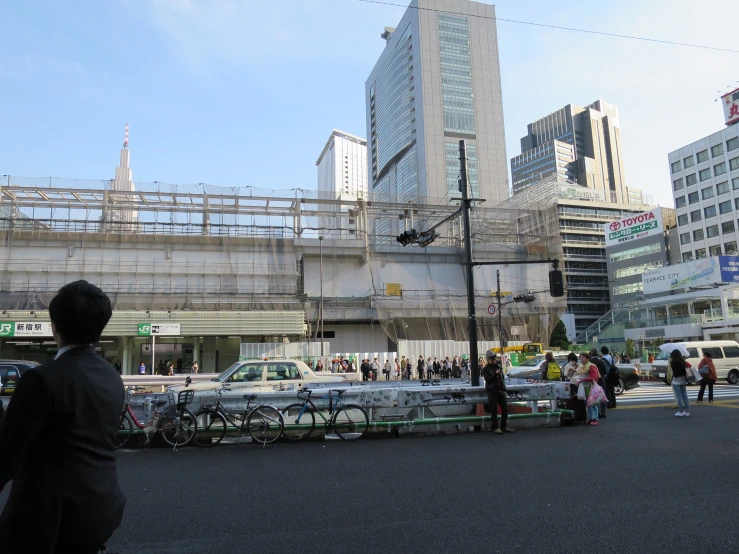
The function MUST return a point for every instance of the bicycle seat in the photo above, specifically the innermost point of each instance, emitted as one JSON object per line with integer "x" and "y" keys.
{"x": 339, "y": 391}
{"x": 161, "y": 402}
{"x": 250, "y": 397}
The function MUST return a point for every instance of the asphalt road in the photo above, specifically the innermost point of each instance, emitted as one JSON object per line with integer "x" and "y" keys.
{"x": 643, "y": 481}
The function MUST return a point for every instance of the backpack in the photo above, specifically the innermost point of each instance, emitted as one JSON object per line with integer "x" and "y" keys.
{"x": 553, "y": 372}
{"x": 612, "y": 373}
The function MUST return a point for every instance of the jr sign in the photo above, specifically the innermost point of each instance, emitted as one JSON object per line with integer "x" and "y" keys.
{"x": 158, "y": 329}
{"x": 634, "y": 227}
{"x": 25, "y": 329}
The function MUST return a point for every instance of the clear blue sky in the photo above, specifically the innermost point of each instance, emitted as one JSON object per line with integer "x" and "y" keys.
{"x": 246, "y": 92}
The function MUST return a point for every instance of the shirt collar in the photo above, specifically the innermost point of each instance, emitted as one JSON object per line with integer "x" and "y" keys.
{"x": 65, "y": 349}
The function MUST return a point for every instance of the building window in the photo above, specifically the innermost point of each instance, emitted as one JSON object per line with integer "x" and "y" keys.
{"x": 724, "y": 207}
{"x": 735, "y": 183}
{"x": 702, "y": 156}
{"x": 722, "y": 188}
{"x": 691, "y": 179}
{"x": 636, "y": 252}
{"x": 635, "y": 269}
{"x": 677, "y": 184}
{"x": 695, "y": 215}
{"x": 693, "y": 198}
{"x": 709, "y": 211}
{"x": 700, "y": 253}
{"x": 719, "y": 169}
{"x": 717, "y": 150}
{"x": 707, "y": 193}
{"x": 714, "y": 250}
{"x": 730, "y": 247}
{"x": 712, "y": 231}
{"x": 705, "y": 174}
{"x": 727, "y": 227}
{"x": 628, "y": 289}
{"x": 732, "y": 144}
{"x": 687, "y": 256}
{"x": 698, "y": 235}
{"x": 680, "y": 200}
{"x": 682, "y": 219}
{"x": 456, "y": 74}
{"x": 684, "y": 237}
{"x": 734, "y": 163}
{"x": 688, "y": 162}
{"x": 675, "y": 166}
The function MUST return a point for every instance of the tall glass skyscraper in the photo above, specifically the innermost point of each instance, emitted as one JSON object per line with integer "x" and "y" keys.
{"x": 436, "y": 82}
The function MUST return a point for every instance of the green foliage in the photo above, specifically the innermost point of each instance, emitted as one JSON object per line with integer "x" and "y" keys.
{"x": 629, "y": 348}
{"x": 559, "y": 337}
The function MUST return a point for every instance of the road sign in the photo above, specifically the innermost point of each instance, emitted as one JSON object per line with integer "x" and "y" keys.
{"x": 158, "y": 329}
{"x": 491, "y": 309}
{"x": 595, "y": 339}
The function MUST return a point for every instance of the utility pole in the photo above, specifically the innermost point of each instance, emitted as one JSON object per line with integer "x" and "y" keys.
{"x": 500, "y": 316}
{"x": 320, "y": 249}
{"x": 472, "y": 316}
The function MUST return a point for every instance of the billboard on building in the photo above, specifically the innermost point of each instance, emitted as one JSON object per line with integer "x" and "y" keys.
{"x": 634, "y": 227}
{"x": 729, "y": 269}
{"x": 706, "y": 271}
{"x": 730, "y": 102}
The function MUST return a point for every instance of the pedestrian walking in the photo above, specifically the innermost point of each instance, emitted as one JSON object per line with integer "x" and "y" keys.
{"x": 550, "y": 370}
{"x": 142, "y": 368}
{"x": 365, "y": 369}
{"x": 601, "y": 365}
{"x": 589, "y": 379}
{"x": 437, "y": 368}
{"x": 680, "y": 383}
{"x": 429, "y": 369}
{"x": 386, "y": 370}
{"x": 375, "y": 367}
{"x": 708, "y": 372}
{"x": 497, "y": 393}
{"x": 420, "y": 367}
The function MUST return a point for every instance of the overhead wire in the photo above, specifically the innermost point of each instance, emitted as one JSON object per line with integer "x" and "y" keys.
{"x": 562, "y": 28}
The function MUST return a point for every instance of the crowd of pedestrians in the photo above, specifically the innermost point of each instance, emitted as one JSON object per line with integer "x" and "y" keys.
{"x": 449, "y": 367}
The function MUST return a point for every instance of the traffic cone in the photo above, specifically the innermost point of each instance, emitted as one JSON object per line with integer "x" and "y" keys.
{"x": 480, "y": 410}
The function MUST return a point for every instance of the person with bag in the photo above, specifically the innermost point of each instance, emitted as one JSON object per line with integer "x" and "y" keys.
{"x": 497, "y": 393}
{"x": 679, "y": 383}
{"x": 598, "y": 362}
{"x": 550, "y": 370}
{"x": 708, "y": 374}
{"x": 612, "y": 376}
{"x": 587, "y": 387}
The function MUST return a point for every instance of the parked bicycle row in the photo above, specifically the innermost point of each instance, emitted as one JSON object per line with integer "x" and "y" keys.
{"x": 212, "y": 422}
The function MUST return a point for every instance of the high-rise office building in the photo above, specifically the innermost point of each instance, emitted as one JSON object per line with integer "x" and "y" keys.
{"x": 436, "y": 82}
{"x": 595, "y": 160}
{"x": 123, "y": 182}
{"x": 342, "y": 175}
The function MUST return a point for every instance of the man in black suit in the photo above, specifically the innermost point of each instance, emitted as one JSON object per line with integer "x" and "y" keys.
{"x": 57, "y": 438}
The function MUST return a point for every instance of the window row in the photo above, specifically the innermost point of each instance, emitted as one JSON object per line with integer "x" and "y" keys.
{"x": 730, "y": 249}
{"x": 709, "y": 232}
{"x": 706, "y": 192}
{"x": 702, "y": 156}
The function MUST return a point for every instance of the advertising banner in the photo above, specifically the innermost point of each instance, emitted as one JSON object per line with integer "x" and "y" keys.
{"x": 705, "y": 271}
{"x": 730, "y": 101}
{"x": 634, "y": 227}
{"x": 158, "y": 329}
{"x": 729, "y": 269}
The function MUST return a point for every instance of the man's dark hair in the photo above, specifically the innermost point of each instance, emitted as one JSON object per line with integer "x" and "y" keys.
{"x": 80, "y": 311}
{"x": 707, "y": 354}
{"x": 604, "y": 350}
{"x": 593, "y": 353}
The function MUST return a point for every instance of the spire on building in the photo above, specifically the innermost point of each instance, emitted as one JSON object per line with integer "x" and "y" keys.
{"x": 125, "y": 140}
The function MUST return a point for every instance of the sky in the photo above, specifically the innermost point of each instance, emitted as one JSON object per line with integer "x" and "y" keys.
{"x": 246, "y": 92}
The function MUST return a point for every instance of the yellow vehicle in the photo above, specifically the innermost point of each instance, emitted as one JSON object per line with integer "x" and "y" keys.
{"x": 528, "y": 349}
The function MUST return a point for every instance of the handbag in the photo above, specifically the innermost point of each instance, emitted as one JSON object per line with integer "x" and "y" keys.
{"x": 597, "y": 395}
{"x": 697, "y": 375}
{"x": 581, "y": 392}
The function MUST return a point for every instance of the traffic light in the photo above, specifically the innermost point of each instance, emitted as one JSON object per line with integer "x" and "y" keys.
{"x": 556, "y": 285}
{"x": 527, "y": 298}
{"x": 427, "y": 237}
{"x": 408, "y": 237}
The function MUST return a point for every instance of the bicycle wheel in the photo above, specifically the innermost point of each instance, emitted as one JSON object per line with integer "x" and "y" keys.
{"x": 125, "y": 430}
{"x": 350, "y": 422}
{"x": 265, "y": 424}
{"x": 211, "y": 428}
{"x": 179, "y": 430}
{"x": 297, "y": 429}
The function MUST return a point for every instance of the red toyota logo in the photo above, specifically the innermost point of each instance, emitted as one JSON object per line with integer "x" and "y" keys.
{"x": 615, "y": 226}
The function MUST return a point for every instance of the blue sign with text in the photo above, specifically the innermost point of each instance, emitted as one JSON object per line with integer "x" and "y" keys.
{"x": 729, "y": 269}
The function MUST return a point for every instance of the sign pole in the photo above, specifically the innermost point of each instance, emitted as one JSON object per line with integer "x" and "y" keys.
{"x": 153, "y": 345}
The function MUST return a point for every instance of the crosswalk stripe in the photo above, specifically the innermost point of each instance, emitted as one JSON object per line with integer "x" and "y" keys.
{"x": 656, "y": 392}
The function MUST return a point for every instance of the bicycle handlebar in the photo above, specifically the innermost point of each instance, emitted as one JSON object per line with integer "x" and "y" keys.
{"x": 304, "y": 391}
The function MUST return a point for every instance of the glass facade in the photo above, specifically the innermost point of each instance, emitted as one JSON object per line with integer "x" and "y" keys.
{"x": 456, "y": 74}
{"x": 392, "y": 103}
{"x": 406, "y": 177}
{"x": 451, "y": 154}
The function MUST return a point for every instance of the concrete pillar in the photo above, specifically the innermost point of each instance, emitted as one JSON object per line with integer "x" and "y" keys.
{"x": 208, "y": 365}
{"x": 196, "y": 350}
{"x": 125, "y": 346}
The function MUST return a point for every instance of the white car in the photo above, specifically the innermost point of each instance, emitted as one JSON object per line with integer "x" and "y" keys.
{"x": 265, "y": 375}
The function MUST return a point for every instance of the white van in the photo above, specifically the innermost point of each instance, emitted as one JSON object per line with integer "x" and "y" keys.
{"x": 725, "y": 355}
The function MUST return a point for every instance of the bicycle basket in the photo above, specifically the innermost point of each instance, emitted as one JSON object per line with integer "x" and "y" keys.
{"x": 184, "y": 398}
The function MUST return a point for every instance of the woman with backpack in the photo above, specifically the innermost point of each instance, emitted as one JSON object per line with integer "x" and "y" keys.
{"x": 550, "y": 370}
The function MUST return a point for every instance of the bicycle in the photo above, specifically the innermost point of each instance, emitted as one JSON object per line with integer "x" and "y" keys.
{"x": 263, "y": 423}
{"x": 348, "y": 421}
{"x": 176, "y": 423}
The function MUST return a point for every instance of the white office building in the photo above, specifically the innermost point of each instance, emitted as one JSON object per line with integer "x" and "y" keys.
{"x": 342, "y": 175}
{"x": 436, "y": 82}
{"x": 705, "y": 186}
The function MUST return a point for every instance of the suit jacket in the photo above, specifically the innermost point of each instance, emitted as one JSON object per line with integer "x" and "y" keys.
{"x": 57, "y": 446}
